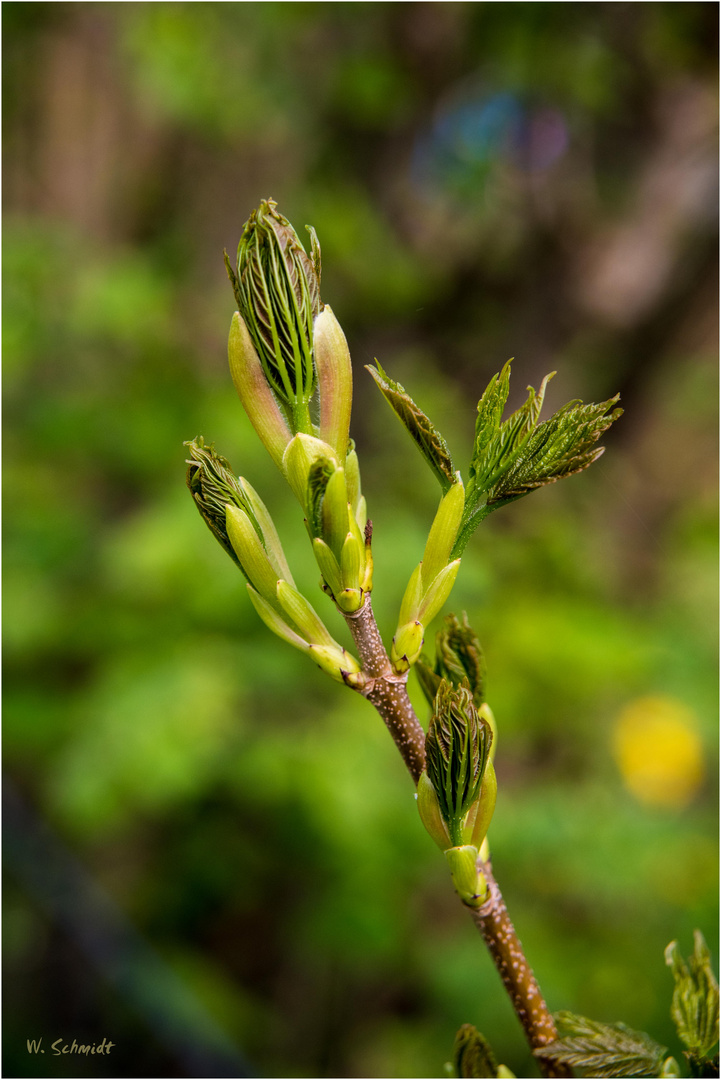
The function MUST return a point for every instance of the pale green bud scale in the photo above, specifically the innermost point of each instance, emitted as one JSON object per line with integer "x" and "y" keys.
{"x": 300, "y": 454}
{"x": 443, "y": 532}
{"x": 361, "y": 513}
{"x": 274, "y": 622}
{"x": 349, "y": 600}
{"x": 412, "y": 597}
{"x": 438, "y": 592}
{"x": 352, "y": 557}
{"x": 352, "y": 479}
{"x": 334, "y": 513}
{"x": 406, "y": 647}
{"x": 367, "y": 583}
{"x": 252, "y": 555}
{"x": 479, "y": 816}
{"x": 486, "y": 713}
{"x": 468, "y": 882}
{"x": 297, "y": 608}
{"x": 335, "y": 661}
{"x": 328, "y": 565}
{"x": 430, "y": 813}
{"x": 269, "y": 533}
{"x": 335, "y": 380}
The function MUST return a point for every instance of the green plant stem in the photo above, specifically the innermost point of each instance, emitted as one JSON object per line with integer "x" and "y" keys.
{"x": 388, "y": 692}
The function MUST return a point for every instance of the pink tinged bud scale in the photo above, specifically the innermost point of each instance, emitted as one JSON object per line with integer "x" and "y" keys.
{"x": 255, "y": 393}
{"x": 335, "y": 380}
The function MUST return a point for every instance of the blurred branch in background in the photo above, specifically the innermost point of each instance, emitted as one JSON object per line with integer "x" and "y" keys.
{"x": 490, "y": 180}
{"x": 54, "y": 880}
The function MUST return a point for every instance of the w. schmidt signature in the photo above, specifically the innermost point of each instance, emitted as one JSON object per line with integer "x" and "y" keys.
{"x": 35, "y": 1046}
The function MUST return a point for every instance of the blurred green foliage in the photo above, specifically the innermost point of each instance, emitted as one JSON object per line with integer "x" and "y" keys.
{"x": 486, "y": 180}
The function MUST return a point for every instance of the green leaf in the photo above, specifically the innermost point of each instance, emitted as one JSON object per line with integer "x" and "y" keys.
{"x": 497, "y": 445}
{"x": 516, "y": 456}
{"x": 604, "y": 1049}
{"x": 427, "y": 438}
{"x": 695, "y": 1003}
{"x": 559, "y": 447}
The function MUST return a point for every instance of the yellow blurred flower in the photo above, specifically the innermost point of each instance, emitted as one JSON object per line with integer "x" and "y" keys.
{"x": 658, "y": 751}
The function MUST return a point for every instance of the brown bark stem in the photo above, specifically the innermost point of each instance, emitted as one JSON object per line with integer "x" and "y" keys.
{"x": 499, "y": 934}
{"x": 388, "y": 693}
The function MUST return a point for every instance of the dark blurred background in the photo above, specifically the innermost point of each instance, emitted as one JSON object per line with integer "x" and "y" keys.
{"x": 213, "y": 854}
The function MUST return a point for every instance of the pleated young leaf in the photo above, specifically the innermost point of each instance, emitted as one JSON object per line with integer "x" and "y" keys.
{"x": 458, "y": 743}
{"x": 277, "y": 289}
{"x": 472, "y": 1055}
{"x": 459, "y": 656}
{"x": 213, "y": 485}
{"x": 497, "y": 444}
{"x": 604, "y": 1049}
{"x": 695, "y": 1005}
{"x": 516, "y": 456}
{"x": 427, "y": 438}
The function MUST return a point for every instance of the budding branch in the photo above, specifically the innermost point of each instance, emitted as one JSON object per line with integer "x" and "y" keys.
{"x": 387, "y": 692}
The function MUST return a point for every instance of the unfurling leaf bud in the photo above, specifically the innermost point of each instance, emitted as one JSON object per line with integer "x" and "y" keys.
{"x": 458, "y": 656}
{"x": 458, "y": 745}
{"x": 514, "y": 457}
{"x": 238, "y": 518}
{"x": 473, "y": 1057}
{"x": 284, "y": 345}
{"x": 457, "y": 793}
{"x": 695, "y": 1005}
{"x": 214, "y": 487}
{"x": 277, "y": 288}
